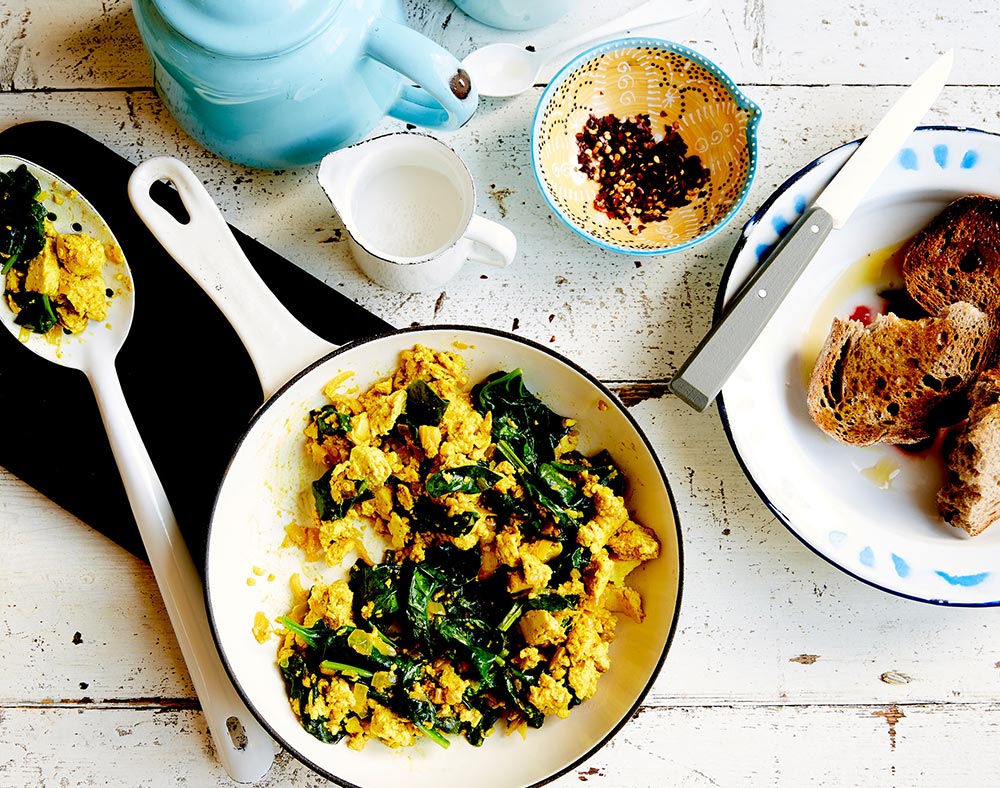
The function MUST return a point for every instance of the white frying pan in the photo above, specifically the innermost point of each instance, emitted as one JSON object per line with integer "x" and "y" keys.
{"x": 262, "y": 492}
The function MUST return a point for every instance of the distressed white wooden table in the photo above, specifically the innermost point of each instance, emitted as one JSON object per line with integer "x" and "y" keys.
{"x": 784, "y": 671}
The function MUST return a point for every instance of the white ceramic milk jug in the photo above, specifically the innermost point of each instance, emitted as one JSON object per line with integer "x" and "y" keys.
{"x": 409, "y": 205}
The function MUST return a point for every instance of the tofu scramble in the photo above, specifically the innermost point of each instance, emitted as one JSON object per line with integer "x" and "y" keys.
{"x": 507, "y": 561}
{"x": 50, "y": 279}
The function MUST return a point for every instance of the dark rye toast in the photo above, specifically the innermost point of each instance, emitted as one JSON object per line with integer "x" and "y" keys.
{"x": 956, "y": 257}
{"x": 970, "y": 499}
{"x": 886, "y": 382}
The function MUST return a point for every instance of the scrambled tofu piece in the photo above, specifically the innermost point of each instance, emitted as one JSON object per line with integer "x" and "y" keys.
{"x": 599, "y": 574}
{"x": 508, "y": 544}
{"x": 436, "y": 367}
{"x": 389, "y": 728}
{"x": 72, "y": 320}
{"x": 622, "y": 599}
{"x": 332, "y": 603}
{"x": 430, "y": 439}
{"x": 550, "y": 696}
{"x": 338, "y": 538}
{"x": 536, "y": 572}
{"x": 80, "y": 254}
{"x": 86, "y": 294}
{"x": 383, "y": 414}
{"x": 542, "y": 549}
{"x": 68, "y": 270}
{"x": 610, "y": 515}
{"x": 14, "y": 281}
{"x": 114, "y": 254}
{"x": 529, "y": 658}
{"x": 261, "y": 627}
{"x": 467, "y": 433}
{"x": 369, "y": 464}
{"x": 634, "y": 542}
{"x": 588, "y": 652}
{"x": 44, "y": 271}
{"x": 449, "y": 687}
{"x": 541, "y": 628}
{"x": 399, "y": 531}
{"x": 332, "y": 702}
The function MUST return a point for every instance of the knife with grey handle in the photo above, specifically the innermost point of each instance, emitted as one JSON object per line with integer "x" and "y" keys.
{"x": 702, "y": 376}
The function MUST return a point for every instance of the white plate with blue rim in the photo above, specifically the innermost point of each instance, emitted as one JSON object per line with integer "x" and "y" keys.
{"x": 871, "y": 510}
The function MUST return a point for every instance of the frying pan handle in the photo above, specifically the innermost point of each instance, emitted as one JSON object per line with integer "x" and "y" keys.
{"x": 204, "y": 246}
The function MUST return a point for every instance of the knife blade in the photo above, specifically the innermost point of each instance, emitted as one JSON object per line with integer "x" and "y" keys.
{"x": 700, "y": 379}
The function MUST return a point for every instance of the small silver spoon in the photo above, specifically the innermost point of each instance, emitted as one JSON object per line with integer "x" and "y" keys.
{"x": 244, "y": 748}
{"x": 508, "y": 69}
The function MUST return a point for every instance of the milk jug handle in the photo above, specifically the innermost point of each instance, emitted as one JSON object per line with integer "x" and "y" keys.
{"x": 446, "y": 97}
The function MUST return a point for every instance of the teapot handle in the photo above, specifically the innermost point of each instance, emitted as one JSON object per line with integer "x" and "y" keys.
{"x": 446, "y": 97}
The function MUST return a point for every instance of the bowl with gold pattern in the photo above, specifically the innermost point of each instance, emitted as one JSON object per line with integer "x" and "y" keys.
{"x": 644, "y": 146}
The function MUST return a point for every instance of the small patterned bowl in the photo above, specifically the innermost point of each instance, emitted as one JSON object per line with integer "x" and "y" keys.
{"x": 676, "y": 87}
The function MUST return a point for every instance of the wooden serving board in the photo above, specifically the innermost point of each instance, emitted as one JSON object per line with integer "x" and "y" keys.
{"x": 188, "y": 379}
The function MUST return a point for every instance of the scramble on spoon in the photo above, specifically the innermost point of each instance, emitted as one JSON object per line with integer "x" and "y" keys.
{"x": 244, "y": 748}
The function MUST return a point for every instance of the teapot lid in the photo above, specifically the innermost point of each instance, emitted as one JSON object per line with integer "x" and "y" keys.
{"x": 248, "y": 28}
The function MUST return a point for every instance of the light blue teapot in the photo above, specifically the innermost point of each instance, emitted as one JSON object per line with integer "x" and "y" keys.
{"x": 276, "y": 84}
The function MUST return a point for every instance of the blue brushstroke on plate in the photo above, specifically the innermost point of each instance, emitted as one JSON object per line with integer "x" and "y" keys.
{"x": 780, "y": 224}
{"x": 964, "y": 580}
{"x": 941, "y": 155}
{"x": 970, "y": 160}
{"x": 908, "y": 159}
{"x": 902, "y": 568}
{"x": 762, "y": 250}
{"x": 837, "y": 537}
{"x": 800, "y": 204}
{"x": 867, "y": 557}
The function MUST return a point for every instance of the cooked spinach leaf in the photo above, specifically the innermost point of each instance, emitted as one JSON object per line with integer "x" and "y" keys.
{"x": 553, "y": 602}
{"x": 330, "y": 510}
{"x": 22, "y": 219}
{"x": 428, "y": 516}
{"x": 520, "y": 418}
{"x": 424, "y": 583}
{"x": 467, "y": 479}
{"x": 330, "y": 421}
{"x": 600, "y": 465}
{"x": 36, "y": 311}
{"x": 559, "y": 484}
{"x": 423, "y": 406}
{"x": 376, "y": 590}
{"x": 303, "y": 691}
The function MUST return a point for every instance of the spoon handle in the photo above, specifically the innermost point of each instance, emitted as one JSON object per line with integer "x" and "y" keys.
{"x": 205, "y": 247}
{"x": 243, "y": 746}
{"x": 651, "y": 12}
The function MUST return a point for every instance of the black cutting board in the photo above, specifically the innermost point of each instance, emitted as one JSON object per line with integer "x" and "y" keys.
{"x": 188, "y": 379}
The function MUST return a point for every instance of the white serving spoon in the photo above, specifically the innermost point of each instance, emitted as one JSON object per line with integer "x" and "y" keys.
{"x": 508, "y": 69}
{"x": 244, "y": 748}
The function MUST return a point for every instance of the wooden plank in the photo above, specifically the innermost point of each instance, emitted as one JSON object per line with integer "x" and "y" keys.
{"x": 560, "y": 290}
{"x": 97, "y": 45}
{"x": 866, "y": 746}
{"x": 763, "y": 619}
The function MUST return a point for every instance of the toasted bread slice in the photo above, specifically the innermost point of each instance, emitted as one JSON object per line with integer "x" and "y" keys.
{"x": 887, "y": 382}
{"x": 970, "y": 499}
{"x": 956, "y": 257}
